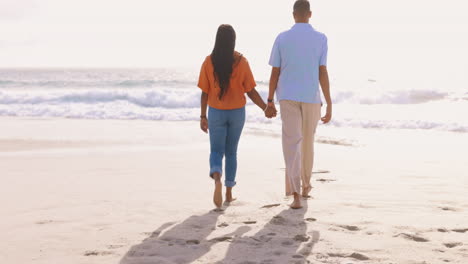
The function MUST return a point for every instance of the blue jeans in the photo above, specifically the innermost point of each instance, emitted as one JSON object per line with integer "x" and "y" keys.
{"x": 225, "y": 128}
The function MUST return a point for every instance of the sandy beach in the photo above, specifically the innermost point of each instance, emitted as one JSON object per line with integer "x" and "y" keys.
{"x": 134, "y": 192}
{"x": 102, "y": 159}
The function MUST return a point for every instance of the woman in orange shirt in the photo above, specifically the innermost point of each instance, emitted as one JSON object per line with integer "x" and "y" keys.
{"x": 224, "y": 79}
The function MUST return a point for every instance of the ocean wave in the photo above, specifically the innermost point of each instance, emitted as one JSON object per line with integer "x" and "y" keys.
{"x": 143, "y": 83}
{"x": 125, "y": 111}
{"x": 389, "y": 97}
{"x": 401, "y": 124}
{"x": 189, "y": 97}
{"x": 165, "y": 98}
{"x": 183, "y": 104}
{"x": 161, "y": 106}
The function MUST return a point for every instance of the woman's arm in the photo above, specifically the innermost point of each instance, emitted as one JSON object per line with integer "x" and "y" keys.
{"x": 203, "y": 118}
{"x": 257, "y": 99}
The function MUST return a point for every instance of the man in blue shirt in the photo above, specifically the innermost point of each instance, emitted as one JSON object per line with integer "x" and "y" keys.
{"x": 299, "y": 61}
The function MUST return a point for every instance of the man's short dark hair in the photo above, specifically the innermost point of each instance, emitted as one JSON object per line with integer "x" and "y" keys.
{"x": 301, "y": 7}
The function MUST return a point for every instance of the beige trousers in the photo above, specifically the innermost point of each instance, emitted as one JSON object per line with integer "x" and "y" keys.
{"x": 300, "y": 121}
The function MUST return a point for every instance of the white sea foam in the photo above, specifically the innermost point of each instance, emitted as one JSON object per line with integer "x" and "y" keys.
{"x": 189, "y": 98}
{"x": 183, "y": 104}
{"x": 173, "y": 96}
{"x": 164, "y": 97}
{"x": 389, "y": 97}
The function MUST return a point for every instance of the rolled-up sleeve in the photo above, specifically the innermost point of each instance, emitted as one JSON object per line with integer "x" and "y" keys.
{"x": 323, "y": 56}
{"x": 275, "y": 57}
{"x": 203, "y": 81}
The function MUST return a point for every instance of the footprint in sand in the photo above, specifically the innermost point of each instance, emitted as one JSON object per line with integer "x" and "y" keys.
{"x": 197, "y": 226}
{"x": 320, "y": 256}
{"x": 350, "y": 227}
{"x": 287, "y": 243}
{"x": 270, "y": 205}
{"x": 114, "y": 246}
{"x": 413, "y": 237}
{"x": 43, "y": 222}
{"x": 374, "y": 232}
{"x": 146, "y": 247}
{"x": 336, "y": 255}
{"x": 354, "y": 255}
{"x": 314, "y": 172}
{"x": 301, "y": 238}
{"x": 325, "y": 180}
{"x": 223, "y": 225}
{"x": 460, "y": 230}
{"x": 278, "y": 220}
{"x": 358, "y": 256}
{"x": 310, "y": 219}
{"x": 278, "y": 253}
{"x": 262, "y": 239}
{"x": 452, "y": 245}
{"x": 222, "y": 239}
{"x": 151, "y": 234}
{"x": 249, "y": 222}
{"x": 447, "y": 208}
{"x": 321, "y": 171}
{"x": 134, "y": 253}
{"x": 192, "y": 242}
{"x": 97, "y": 253}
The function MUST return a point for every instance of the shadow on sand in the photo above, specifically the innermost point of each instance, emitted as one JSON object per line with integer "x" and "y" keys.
{"x": 284, "y": 239}
{"x": 182, "y": 243}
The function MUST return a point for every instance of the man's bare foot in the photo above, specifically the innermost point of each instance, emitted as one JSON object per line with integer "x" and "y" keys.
{"x": 229, "y": 197}
{"x": 218, "y": 196}
{"x": 296, "y": 204}
{"x": 306, "y": 191}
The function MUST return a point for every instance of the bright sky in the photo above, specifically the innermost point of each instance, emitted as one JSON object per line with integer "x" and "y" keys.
{"x": 413, "y": 38}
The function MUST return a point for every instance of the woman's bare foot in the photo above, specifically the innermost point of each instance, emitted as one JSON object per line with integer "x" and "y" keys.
{"x": 306, "y": 191}
{"x": 218, "y": 196}
{"x": 296, "y": 204}
{"x": 229, "y": 197}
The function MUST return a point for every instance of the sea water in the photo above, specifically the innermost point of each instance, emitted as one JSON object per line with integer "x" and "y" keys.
{"x": 172, "y": 95}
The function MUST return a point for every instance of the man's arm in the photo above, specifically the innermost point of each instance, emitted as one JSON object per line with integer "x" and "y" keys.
{"x": 325, "y": 84}
{"x": 274, "y": 77}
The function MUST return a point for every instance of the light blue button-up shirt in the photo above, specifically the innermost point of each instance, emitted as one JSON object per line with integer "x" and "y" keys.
{"x": 299, "y": 52}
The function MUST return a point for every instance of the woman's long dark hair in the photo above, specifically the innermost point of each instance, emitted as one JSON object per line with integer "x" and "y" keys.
{"x": 222, "y": 57}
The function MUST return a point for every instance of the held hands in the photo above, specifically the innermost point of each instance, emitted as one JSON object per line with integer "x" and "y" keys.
{"x": 204, "y": 124}
{"x": 270, "y": 110}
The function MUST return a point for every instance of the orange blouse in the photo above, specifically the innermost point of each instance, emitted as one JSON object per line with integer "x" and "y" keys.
{"x": 242, "y": 81}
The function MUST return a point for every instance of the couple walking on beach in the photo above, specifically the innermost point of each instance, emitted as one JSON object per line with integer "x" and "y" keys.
{"x": 298, "y": 60}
